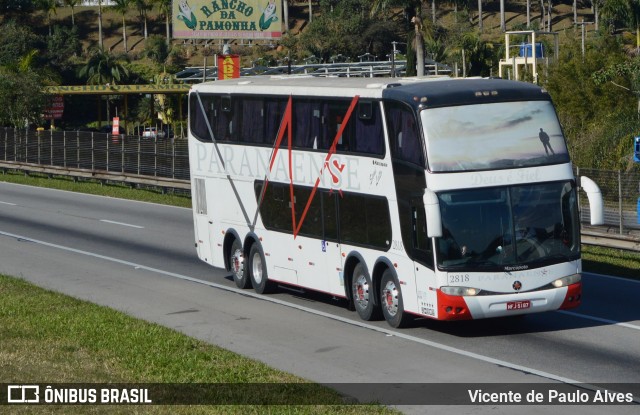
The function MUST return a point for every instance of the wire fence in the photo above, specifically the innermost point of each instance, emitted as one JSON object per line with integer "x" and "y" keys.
{"x": 169, "y": 158}
{"x": 621, "y": 194}
{"x": 126, "y": 154}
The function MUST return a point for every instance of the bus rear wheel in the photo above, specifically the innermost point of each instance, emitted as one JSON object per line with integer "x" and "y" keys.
{"x": 237, "y": 266}
{"x": 258, "y": 270}
{"x": 391, "y": 300}
{"x": 363, "y": 294}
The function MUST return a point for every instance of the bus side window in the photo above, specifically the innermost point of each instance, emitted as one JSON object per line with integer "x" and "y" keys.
{"x": 368, "y": 137}
{"x": 275, "y": 210}
{"x": 198, "y": 119}
{"x": 274, "y": 111}
{"x": 404, "y": 136}
{"x": 253, "y": 120}
{"x": 335, "y": 113}
{"x": 306, "y": 124}
{"x": 365, "y": 220}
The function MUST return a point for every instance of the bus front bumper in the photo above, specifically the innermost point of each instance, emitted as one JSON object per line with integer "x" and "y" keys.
{"x": 451, "y": 307}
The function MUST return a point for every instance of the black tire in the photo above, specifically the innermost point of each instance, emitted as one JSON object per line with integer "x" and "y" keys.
{"x": 363, "y": 294}
{"x": 258, "y": 271}
{"x": 237, "y": 265}
{"x": 391, "y": 300}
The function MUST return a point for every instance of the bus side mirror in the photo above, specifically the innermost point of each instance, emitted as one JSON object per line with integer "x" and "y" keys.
{"x": 596, "y": 205}
{"x": 432, "y": 213}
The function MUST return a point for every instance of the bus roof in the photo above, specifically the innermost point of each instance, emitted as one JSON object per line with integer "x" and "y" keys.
{"x": 420, "y": 92}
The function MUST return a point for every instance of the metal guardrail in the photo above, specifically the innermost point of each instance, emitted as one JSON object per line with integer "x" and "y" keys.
{"x": 610, "y": 241}
{"x": 367, "y": 69}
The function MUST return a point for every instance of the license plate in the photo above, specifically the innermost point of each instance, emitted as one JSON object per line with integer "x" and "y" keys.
{"x": 518, "y": 305}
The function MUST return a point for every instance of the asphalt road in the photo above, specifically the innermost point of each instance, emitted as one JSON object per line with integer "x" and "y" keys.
{"x": 140, "y": 258}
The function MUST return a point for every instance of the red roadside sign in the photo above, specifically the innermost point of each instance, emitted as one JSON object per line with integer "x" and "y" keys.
{"x": 116, "y": 125}
{"x": 55, "y": 108}
{"x": 228, "y": 66}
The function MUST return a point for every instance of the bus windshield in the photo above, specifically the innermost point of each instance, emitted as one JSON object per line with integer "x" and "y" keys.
{"x": 508, "y": 228}
{"x": 493, "y": 136}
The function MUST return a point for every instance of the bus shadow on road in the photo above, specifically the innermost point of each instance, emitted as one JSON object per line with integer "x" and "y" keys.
{"x": 550, "y": 321}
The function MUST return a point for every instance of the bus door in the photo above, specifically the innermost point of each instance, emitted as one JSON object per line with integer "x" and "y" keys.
{"x": 318, "y": 245}
{"x": 421, "y": 251}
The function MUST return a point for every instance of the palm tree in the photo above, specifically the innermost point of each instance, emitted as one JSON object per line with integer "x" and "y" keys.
{"x": 103, "y": 68}
{"x": 122, "y": 7}
{"x": 143, "y": 6}
{"x": 165, "y": 8}
{"x": 100, "y": 37}
{"x": 480, "y": 15}
{"x": 50, "y": 7}
{"x": 285, "y": 11}
{"x": 72, "y": 4}
{"x": 416, "y": 5}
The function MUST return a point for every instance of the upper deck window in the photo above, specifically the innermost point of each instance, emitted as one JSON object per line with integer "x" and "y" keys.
{"x": 315, "y": 122}
{"x": 493, "y": 136}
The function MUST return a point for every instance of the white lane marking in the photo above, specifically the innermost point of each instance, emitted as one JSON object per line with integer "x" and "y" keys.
{"x": 600, "y": 320}
{"x": 121, "y": 223}
{"x": 357, "y": 323}
{"x": 7, "y": 203}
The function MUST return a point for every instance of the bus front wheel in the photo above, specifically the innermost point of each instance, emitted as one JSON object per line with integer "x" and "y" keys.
{"x": 391, "y": 300}
{"x": 258, "y": 270}
{"x": 363, "y": 294}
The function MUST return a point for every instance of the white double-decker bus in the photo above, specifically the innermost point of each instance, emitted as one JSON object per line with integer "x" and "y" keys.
{"x": 438, "y": 198}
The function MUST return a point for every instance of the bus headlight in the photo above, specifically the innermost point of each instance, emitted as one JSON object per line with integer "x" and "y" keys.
{"x": 460, "y": 291}
{"x": 565, "y": 281}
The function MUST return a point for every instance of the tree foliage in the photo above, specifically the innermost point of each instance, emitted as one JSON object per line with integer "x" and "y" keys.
{"x": 348, "y": 30}
{"x": 104, "y": 68}
{"x": 598, "y": 118}
{"x": 62, "y": 46}
{"x": 21, "y": 97}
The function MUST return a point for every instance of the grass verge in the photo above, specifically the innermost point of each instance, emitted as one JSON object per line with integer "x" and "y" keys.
{"x": 610, "y": 261}
{"x": 51, "y": 338}
{"x": 94, "y": 187}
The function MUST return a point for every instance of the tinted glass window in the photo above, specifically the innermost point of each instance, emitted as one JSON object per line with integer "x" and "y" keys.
{"x": 320, "y": 220}
{"x": 275, "y": 209}
{"x": 364, "y": 220}
{"x": 404, "y": 137}
{"x": 315, "y": 123}
{"x": 199, "y": 119}
{"x": 502, "y": 135}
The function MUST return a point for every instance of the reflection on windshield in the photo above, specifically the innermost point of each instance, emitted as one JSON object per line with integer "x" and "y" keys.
{"x": 493, "y": 136}
{"x": 499, "y": 228}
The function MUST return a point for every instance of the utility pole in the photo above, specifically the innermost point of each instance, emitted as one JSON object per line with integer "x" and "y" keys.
{"x": 582, "y": 25}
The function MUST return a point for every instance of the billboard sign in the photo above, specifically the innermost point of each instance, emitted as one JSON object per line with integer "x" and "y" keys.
{"x": 227, "y": 19}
